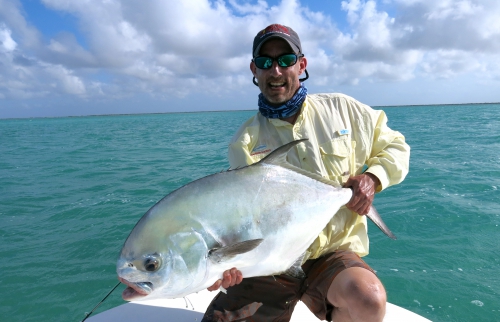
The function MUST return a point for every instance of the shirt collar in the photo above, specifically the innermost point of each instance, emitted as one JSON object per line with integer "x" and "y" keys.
{"x": 298, "y": 121}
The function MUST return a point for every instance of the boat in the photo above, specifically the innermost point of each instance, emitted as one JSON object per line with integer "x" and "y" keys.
{"x": 191, "y": 309}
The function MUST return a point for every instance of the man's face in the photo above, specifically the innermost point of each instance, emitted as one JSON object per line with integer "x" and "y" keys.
{"x": 278, "y": 84}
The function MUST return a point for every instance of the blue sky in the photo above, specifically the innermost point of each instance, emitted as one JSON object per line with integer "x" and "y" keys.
{"x": 61, "y": 58}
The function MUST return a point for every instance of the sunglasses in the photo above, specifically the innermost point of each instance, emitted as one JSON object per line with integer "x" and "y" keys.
{"x": 286, "y": 60}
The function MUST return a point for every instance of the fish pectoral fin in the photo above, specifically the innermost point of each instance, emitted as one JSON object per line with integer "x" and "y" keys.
{"x": 218, "y": 255}
{"x": 296, "y": 269}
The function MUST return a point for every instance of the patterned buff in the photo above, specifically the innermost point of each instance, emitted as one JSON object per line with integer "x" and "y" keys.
{"x": 286, "y": 110}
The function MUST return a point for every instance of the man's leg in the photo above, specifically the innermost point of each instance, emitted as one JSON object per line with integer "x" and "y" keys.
{"x": 342, "y": 286}
{"x": 357, "y": 295}
{"x": 256, "y": 299}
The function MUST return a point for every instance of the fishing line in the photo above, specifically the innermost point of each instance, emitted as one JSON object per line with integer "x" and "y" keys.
{"x": 101, "y": 302}
{"x": 186, "y": 300}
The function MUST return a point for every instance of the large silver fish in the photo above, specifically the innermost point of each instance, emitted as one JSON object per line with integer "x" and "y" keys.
{"x": 260, "y": 219}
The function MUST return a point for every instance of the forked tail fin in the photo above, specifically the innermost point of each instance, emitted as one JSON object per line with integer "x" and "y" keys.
{"x": 377, "y": 220}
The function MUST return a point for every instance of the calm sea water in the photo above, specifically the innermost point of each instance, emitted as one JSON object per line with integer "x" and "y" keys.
{"x": 71, "y": 189}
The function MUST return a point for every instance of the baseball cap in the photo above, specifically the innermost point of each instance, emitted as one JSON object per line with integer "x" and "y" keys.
{"x": 277, "y": 31}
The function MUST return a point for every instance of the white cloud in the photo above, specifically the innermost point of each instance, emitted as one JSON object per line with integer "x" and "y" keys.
{"x": 454, "y": 25}
{"x": 179, "y": 48}
{"x": 67, "y": 82}
{"x": 453, "y": 10}
{"x": 247, "y": 8}
{"x": 7, "y": 44}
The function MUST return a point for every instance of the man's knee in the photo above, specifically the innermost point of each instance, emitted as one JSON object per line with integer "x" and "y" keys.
{"x": 357, "y": 294}
{"x": 367, "y": 294}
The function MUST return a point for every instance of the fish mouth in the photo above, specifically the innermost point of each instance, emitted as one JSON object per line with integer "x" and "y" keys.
{"x": 136, "y": 290}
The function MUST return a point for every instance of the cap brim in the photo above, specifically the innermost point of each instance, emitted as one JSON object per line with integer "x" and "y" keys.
{"x": 294, "y": 47}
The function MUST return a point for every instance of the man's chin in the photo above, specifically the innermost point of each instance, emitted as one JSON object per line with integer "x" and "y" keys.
{"x": 277, "y": 100}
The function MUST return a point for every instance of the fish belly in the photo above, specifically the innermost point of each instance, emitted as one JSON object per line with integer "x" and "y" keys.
{"x": 284, "y": 208}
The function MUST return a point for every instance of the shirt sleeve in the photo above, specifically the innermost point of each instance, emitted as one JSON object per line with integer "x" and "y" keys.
{"x": 242, "y": 143}
{"x": 390, "y": 155}
{"x": 239, "y": 154}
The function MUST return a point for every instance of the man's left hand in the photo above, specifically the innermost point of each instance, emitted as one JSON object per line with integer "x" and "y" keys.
{"x": 363, "y": 188}
{"x": 230, "y": 278}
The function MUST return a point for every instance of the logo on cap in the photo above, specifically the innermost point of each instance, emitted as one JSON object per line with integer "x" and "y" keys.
{"x": 275, "y": 28}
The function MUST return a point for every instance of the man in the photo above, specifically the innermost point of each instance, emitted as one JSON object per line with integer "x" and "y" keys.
{"x": 348, "y": 142}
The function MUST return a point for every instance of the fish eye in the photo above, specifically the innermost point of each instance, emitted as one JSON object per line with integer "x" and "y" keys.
{"x": 152, "y": 263}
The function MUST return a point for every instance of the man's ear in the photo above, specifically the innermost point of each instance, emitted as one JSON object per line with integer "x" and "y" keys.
{"x": 302, "y": 64}
{"x": 253, "y": 68}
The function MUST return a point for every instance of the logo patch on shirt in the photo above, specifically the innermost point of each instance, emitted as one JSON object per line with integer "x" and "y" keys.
{"x": 260, "y": 149}
{"x": 344, "y": 132}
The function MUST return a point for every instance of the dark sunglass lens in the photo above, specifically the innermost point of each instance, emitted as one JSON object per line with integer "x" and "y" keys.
{"x": 263, "y": 62}
{"x": 287, "y": 60}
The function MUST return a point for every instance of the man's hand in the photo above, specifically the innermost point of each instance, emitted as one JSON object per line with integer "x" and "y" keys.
{"x": 230, "y": 278}
{"x": 363, "y": 191}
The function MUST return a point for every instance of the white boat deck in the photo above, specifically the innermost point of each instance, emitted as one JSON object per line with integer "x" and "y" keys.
{"x": 178, "y": 310}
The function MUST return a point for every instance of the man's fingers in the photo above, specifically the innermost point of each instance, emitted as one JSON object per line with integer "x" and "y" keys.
{"x": 354, "y": 203}
{"x": 216, "y": 286}
{"x": 226, "y": 279}
{"x": 363, "y": 210}
{"x": 358, "y": 206}
{"x": 230, "y": 278}
{"x": 363, "y": 188}
{"x": 233, "y": 276}
{"x": 239, "y": 277}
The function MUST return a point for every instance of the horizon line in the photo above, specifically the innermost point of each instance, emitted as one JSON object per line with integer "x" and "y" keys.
{"x": 221, "y": 111}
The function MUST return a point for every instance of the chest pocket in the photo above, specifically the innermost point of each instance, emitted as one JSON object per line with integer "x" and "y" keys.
{"x": 336, "y": 156}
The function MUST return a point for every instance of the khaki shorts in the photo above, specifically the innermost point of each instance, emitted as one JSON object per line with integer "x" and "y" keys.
{"x": 273, "y": 298}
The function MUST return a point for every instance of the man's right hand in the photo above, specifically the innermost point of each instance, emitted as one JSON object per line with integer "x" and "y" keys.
{"x": 363, "y": 191}
{"x": 230, "y": 278}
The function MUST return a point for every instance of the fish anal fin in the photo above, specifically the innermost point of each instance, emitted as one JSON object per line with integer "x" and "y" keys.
{"x": 218, "y": 255}
{"x": 296, "y": 269}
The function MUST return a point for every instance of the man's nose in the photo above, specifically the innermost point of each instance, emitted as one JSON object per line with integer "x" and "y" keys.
{"x": 275, "y": 69}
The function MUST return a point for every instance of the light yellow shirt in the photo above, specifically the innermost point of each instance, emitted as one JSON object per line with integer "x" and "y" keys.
{"x": 343, "y": 136}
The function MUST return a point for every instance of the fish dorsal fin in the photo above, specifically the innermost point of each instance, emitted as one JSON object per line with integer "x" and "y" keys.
{"x": 278, "y": 158}
{"x": 218, "y": 255}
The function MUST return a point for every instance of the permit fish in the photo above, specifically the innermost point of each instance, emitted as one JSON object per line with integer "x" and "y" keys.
{"x": 260, "y": 219}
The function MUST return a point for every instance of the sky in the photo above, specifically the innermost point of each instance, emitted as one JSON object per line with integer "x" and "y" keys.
{"x": 88, "y": 57}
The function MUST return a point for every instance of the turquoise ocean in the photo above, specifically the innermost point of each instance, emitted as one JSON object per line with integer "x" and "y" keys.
{"x": 71, "y": 190}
